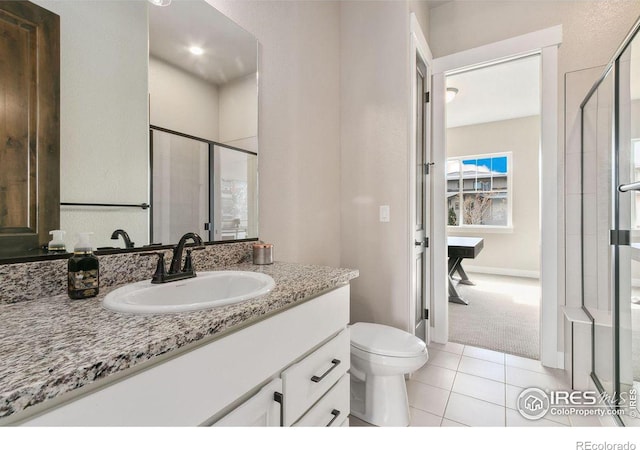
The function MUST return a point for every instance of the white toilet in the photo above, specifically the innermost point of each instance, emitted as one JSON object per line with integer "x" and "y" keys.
{"x": 380, "y": 357}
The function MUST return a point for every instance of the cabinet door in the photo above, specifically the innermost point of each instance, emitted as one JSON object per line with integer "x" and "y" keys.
{"x": 29, "y": 126}
{"x": 261, "y": 410}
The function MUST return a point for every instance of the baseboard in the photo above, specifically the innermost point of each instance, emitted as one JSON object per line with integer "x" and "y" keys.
{"x": 503, "y": 271}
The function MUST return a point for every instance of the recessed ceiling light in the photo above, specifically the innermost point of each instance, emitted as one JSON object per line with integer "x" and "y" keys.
{"x": 160, "y": 2}
{"x": 196, "y": 50}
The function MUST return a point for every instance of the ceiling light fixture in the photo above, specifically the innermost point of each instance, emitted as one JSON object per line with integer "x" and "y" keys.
{"x": 451, "y": 93}
{"x": 196, "y": 50}
{"x": 160, "y": 2}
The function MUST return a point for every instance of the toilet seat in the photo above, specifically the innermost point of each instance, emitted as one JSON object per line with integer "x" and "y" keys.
{"x": 382, "y": 340}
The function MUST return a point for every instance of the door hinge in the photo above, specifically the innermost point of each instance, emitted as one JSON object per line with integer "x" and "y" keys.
{"x": 426, "y": 314}
{"x": 620, "y": 237}
{"x": 426, "y": 242}
{"x": 426, "y": 97}
{"x": 427, "y": 170}
{"x": 208, "y": 226}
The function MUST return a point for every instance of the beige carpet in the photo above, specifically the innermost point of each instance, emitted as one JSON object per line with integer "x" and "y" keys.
{"x": 503, "y": 315}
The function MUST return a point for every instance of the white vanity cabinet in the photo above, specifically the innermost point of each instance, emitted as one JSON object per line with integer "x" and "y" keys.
{"x": 262, "y": 410}
{"x": 235, "y": 380}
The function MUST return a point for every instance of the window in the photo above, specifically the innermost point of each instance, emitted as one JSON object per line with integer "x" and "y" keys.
{"x": 479, "y": 190}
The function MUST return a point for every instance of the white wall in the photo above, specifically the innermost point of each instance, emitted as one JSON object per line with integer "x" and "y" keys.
{"x": 103, "y": 116}
{"x": 182, "y": 102}
{"x": 592, "y": 30}
{"x": 333, "y": 120}
{"x": 299, "y": 123}
{"x": 374, "y": 138}
{"x": 521, "y": 137}
{"x": 239, "y": 113}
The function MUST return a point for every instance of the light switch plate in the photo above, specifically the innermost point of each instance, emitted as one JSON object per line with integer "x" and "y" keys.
{"x": 385, "y": 214}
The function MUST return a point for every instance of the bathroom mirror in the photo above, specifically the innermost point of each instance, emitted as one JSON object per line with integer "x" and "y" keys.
{"x": 126, "y": 65}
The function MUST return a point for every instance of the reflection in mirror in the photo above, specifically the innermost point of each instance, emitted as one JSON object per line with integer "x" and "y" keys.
{"x": 203, "y": 186}
{"x": 235, "y": 188}
{"x": 112, "y": 87}
{"x": 202, "y": 74}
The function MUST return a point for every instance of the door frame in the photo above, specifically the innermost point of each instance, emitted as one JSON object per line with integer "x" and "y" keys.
{"x": 544, "y": 42}
{"x": 418, "y": 47}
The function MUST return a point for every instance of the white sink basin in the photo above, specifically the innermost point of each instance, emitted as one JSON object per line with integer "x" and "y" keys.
{"x": 206, "y": 290}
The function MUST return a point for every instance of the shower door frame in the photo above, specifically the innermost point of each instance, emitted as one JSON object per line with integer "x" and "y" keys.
{"x": 613, "y": 68}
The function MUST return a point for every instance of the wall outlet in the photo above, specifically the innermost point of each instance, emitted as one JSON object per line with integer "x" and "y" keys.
{"x": 385, "y": 214}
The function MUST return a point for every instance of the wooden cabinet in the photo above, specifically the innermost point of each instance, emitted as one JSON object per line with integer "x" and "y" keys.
{"x": 231, "y": 380}
{"x": 29, "y": 126}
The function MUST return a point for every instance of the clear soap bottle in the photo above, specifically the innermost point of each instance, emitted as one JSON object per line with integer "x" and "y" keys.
{"x": 84, "y": 270}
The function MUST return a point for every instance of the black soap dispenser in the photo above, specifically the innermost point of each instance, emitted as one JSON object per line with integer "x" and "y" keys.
{"x": 84, "y": 270}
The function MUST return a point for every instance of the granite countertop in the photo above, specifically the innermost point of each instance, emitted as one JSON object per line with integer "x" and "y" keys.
{"x": 55, "y": 345}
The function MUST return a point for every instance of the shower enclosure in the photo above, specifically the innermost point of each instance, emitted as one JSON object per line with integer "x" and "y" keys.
{"x": 610, "y": 119}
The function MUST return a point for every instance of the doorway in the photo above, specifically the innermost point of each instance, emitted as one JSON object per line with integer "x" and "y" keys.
{"x": 545, "y": 43}
{"x": 493, "y": 205}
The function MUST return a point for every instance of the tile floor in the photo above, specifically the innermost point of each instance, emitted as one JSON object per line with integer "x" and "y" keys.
{"x": 469, "y": 386}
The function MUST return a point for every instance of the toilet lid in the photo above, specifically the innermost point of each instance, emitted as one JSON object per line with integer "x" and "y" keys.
{"x": 385, "y": 340}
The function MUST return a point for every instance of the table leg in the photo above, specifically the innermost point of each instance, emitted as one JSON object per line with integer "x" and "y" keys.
{"x": 464, "y": 279}
{"x": 454, "y": 297}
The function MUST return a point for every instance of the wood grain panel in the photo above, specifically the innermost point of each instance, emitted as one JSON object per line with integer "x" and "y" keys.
{"x": 29, "y": 126}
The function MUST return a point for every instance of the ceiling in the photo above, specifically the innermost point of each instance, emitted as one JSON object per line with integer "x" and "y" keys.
{"x": 498, "y": 92}
{"x": 436, "y": 3}
{"x": 229, "y": 51}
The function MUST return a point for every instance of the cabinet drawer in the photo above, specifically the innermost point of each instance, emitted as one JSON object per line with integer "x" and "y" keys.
{"x": 308, "y": 380}
{"x": 332, "y": 409}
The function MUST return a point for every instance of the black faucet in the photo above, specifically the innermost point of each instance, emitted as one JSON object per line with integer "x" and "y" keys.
{"x": 177, "y": 253}
{"x": 175, "y": 272}
{"x": 125, "y": 237}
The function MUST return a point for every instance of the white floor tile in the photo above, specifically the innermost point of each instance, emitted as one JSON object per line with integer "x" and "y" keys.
{"x": 527, "y": 378}
{"x": 451, "y": 347}
{"x": 512, "y": 398}
{"x": 482, "y": 353}
{"x": 421, "y": 418}
{"x": 435, "y": 376}
{"x": 473, "y": 412}
{"x": 355, "y": 422}
{"x": 584, "y": 421}
{"x": 450, "y": 423}
{"x": 514, "y": 419}
{"x": 443, "y": 359}
{"x": 525, "y": 363}
{"x": 480, "y": 388}
{"x": 427, "y": 398}
{"x": 480, "y": 368}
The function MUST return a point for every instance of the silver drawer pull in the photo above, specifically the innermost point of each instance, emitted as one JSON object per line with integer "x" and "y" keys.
{"x": 335, "y": 413}
{"x": 317, "y": 379}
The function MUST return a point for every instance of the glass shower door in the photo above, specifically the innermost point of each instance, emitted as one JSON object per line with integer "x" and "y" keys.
{"x": 598, "y": 220}
{"x": 627, "y": 320}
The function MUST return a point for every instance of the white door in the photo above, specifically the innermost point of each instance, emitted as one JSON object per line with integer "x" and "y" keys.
{"x": 421, "y": 226}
